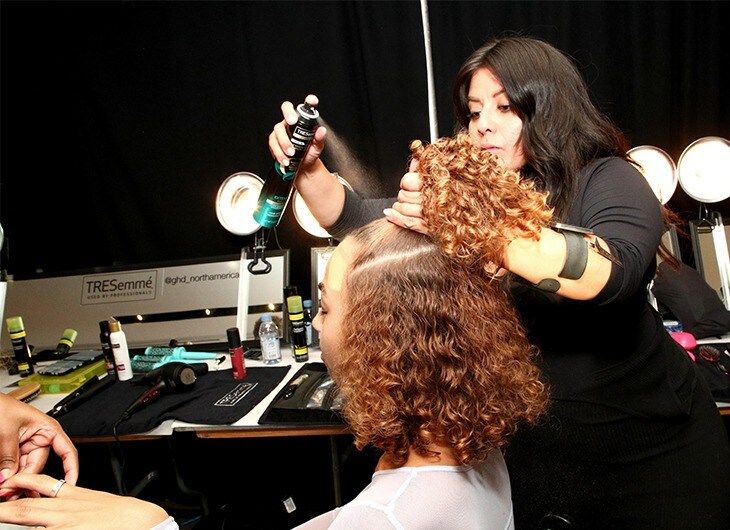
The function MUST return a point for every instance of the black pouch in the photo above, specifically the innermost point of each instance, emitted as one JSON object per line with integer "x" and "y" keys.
{"x": 311, "y": 398}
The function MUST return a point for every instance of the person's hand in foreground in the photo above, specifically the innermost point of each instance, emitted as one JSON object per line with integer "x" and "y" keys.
{"x": 54, "y": 504}
{"x": 26, "y": 438}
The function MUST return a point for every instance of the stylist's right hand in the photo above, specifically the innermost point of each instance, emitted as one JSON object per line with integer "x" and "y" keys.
{"x": 26, "y": 437}
{"x": 281, "y": 147}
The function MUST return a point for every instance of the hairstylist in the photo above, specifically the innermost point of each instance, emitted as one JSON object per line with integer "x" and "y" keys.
{"x": 633, "y": 438}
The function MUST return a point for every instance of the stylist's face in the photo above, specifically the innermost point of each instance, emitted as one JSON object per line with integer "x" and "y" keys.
{"x": 493, "y": 125}
{"x": 329, "y": 318}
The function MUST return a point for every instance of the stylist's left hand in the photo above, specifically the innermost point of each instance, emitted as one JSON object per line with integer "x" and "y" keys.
{"x": 26, "y": 437}
{"x": 406, "y": 212}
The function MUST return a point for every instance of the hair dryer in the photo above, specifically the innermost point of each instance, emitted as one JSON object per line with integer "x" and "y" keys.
{"x": 174, "y": 377}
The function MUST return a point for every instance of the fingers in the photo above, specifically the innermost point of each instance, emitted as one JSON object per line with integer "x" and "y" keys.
{"x": 51, "y": 503}
{"x": 316, "y": 147}
{"x": 312, "y": 100}
{"x": 280, "y": 145}
{"x": 410, "y": 197}
{"x": 35, "y": 449}
{"x": 69, "y": 456}
{"x": 408, "y": 209}
{"x": 412, "y": 223}
{"x": 9, "y": 453}
{"x": 26, "y": 512}
{"x": 413, "y": 166}
{"x": 287, "y": 111}
{"x": 407, "y": 212}
{"x": 411, "y": 182}
{"x": 40, "y": 484}
{"x": 32, "y": 460}
{"x": 77, "y": 508}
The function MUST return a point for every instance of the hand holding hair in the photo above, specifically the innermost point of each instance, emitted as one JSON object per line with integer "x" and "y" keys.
{"x": 471, "y": 189}
{"x": 407, "y": 211}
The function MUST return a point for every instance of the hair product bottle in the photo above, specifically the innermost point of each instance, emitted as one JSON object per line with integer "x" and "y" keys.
{"x": 106, "y": 347}
{"x": 298, "y": 332}
{"x": 118, "y": 342}
{"x": 278, "y": 186}
{"x": 236, "y": 350}
{"x": 289, "y": 290}
{"x": 308, "y": 320}
{"x": 17, "y": 334}
{"x": 66, "y": 342}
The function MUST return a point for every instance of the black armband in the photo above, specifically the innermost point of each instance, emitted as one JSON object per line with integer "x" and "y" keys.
{"x": 550, "y": 285}
{"x": 576, "y": 256}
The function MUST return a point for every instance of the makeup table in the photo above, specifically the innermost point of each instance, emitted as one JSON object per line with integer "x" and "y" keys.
{"x": 245, "y": 427}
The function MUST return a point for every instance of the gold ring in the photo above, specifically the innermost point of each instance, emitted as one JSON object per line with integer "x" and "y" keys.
{"x": 57, "y": 486}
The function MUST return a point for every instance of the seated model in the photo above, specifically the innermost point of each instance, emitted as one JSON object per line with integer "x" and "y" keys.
{"x": 428, "y": 352}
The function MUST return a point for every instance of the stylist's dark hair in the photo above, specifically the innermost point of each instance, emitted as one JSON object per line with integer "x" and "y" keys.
{"x": 562, "y": 130}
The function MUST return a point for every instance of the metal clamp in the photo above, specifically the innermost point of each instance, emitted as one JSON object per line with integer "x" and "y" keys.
{"x": 259, "y": 249}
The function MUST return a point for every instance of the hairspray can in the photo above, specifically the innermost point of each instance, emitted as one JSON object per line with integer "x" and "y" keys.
{"x": 298, "y": 332}
{"x": 16, "y": 330}
{"x": 118, "y": 341}
{"x": 278, "y": 186}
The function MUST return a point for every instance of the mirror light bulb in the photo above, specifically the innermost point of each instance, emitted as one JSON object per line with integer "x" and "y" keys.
{"x": 704, "y": 169}
{"x": 236, "y": 202}
{"x": 658, "y": 169}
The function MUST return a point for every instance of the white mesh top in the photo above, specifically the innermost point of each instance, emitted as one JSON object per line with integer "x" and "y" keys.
{"x": 428, "y": 497}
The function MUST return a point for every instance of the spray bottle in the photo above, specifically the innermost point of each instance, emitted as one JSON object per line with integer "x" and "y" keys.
{"x": 277, "y": 189}
{"x": 118, "y": 342}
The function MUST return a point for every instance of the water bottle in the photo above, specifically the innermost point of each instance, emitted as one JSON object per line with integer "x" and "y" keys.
{"x": 308, "y": 320}
{"x": 269, "y": 336}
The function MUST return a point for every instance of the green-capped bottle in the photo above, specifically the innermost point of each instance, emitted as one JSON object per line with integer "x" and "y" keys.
{"x": 298, "y": 330}
{"x": 16, "y": 330}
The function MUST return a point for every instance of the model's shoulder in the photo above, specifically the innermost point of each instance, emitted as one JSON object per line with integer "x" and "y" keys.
{"x": 362, "y": 516}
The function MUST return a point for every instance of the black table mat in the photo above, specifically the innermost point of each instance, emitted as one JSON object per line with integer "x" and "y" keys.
{"x": 215, "y": 399}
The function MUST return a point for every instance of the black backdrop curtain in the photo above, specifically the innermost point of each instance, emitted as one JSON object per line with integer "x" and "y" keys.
{"x": 121, "y": 119}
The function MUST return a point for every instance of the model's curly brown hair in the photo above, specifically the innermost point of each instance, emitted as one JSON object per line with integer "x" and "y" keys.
{"x": 472, "y": 205}
{"x": 431, "y": 352}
